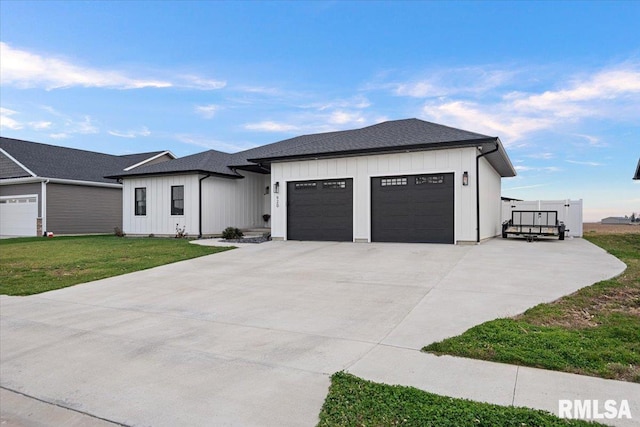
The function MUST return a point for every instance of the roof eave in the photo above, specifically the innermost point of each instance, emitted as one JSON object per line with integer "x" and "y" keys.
{"x": 187, "y": 172}
{"x": 376, "y": 150}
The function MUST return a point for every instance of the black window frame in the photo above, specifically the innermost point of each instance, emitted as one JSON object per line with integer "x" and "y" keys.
{"x": 140, "y": 205}
{"x": 176, "y": 209}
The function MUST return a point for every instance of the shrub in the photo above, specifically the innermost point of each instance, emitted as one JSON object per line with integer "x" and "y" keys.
{"x": 118, "y": 232}
{"x": 232, "y": 233}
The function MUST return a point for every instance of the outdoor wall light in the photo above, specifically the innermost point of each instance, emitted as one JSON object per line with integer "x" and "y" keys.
{"x": 465, "y": 178}
{"x": 276, "y": 187}
{"x": 266, "y": 190}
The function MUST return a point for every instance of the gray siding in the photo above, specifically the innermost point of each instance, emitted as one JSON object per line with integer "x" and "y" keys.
{"x": 9, "y": 168}
{"x": 19, "y": 189}
{"x": 160, "y": 159}
{"x": 76, "y": 209}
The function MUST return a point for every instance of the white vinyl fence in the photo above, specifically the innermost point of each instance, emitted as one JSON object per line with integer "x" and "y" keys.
{"x": 569, "y": 211}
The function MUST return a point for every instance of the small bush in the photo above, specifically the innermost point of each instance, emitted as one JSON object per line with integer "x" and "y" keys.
{"x": 230, "y": 233}
{"x": 118, "y": 232}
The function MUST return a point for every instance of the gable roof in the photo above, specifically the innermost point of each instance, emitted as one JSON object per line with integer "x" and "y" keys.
{"x": 51, "y": 161}
{"x": 390, "y": 136}
{"x": 637, "y": 175}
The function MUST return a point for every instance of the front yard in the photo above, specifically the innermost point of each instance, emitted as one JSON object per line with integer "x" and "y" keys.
{"x": 33, "y": 265}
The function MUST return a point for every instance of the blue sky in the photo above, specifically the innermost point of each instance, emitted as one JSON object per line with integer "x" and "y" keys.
{"x": 558, "y": 82}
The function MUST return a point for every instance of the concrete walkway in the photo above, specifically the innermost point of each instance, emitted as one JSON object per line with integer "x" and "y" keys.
{"x": 251, "y": 336}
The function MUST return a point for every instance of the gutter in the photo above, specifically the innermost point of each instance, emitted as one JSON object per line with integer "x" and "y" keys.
{"x": 478, "y": 189}
{"x": 200, "y": 204}
{"x": 25, "y": 180}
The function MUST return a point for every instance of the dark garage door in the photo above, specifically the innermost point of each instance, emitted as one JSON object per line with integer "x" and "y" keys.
{"x": 412, "y": 208}
{"x": 320, "y": 210}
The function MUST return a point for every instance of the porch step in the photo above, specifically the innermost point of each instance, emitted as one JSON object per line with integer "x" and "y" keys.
{"x": 256, "y": 232}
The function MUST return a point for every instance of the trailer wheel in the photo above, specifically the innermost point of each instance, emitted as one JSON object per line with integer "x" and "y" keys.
{"x": 561, "y": 236}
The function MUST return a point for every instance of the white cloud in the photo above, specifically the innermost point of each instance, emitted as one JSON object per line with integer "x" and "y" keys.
{"x": 207, "y": 111}
{"x": 523, "y": 168}
{"x": 131, "y": 133}
{"x": 84, "y": 127}
{"x": 545, "y": 156}
{"x": 358, "y": 102}
{"x": 41, "y": 125}
{"x": 344, "y": 117}
{"x": 24, "y": 69}
{"x": 491, "y": 120}
{"x": 27, "y": 70}
{"x": 196, "y": 82}
{"x": 576, "y": 162}
{"x": 612, "y": 93}
{"x": 60, "y": 135}
{"x": 270, "y": 126}
{"x": 455, "y": 81}
{"x": 8, "y": 122}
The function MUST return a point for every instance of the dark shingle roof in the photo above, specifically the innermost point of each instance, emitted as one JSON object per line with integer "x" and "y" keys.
{"x": 51, "y": 161}
{"x": 396, "y": 135}
{"x": 637, "y": 175}
{"x": 392, "y": 135}
{"x": 212, "y": 161}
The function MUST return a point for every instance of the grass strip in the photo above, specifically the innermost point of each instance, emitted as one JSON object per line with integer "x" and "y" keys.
{"x": 353, "y": 401}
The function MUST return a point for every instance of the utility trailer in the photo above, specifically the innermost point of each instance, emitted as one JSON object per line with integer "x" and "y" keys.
{"x": 533, "y": 224}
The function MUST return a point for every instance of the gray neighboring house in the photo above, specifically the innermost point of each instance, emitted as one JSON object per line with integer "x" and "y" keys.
{"x": 397, "y": 181}
{"x": 615, "y": 220}
{"x": 62, "y": 190}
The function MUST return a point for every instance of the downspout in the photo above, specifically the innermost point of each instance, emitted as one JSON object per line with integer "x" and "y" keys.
{"x": 43, "y": 207}
{"x": 200, "y": 204}
{"x": 478, "y": 190}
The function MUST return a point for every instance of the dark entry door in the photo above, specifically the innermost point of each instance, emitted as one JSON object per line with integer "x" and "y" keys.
{"x": 320, "y": 210}
{"x": 412, "y": 208}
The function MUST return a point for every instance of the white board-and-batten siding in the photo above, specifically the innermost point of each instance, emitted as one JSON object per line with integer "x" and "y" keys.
{"x": 225, "y": 203}
{"x": 234, "y": 202}
{"x": 362, "y": 168}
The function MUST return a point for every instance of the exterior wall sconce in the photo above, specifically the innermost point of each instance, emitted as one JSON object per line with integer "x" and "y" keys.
{"x": 266, "y": 190}
{"x": 465, "y": 178}
{"x": 276, "y": 187}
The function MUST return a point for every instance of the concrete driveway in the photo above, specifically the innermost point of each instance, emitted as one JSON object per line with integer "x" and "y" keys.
{"x": 250, "y": 336}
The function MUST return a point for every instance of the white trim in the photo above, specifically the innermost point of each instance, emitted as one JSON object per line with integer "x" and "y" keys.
{"x": 26, "y": 169}
{"x": 27, "y": 180}
{"x": 19, "y": 196}
{"x": 43, "y": 205}
{"x": 166, "y": 152}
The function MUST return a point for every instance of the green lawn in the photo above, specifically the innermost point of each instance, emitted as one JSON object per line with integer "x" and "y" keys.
{"x": 33, "y": 265}
{"x": 353, "y": 401}
{"x": 594, "y": 331}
